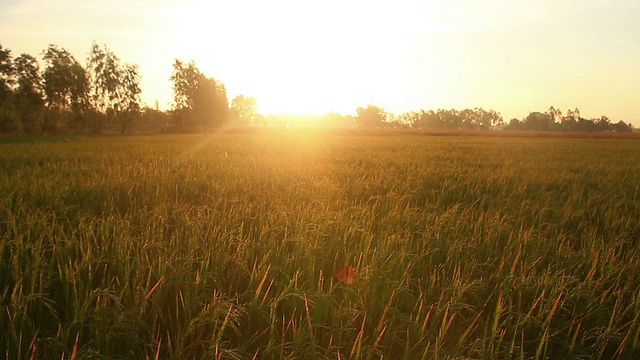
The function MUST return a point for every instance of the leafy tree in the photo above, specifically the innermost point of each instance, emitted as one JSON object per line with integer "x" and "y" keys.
{"x": 538, "y": 121}
{"x": 469, "y": 120}
{"x": 116, "y": 89}
{"x": 27, "y": 74}
{"x": 553, "y": 120}
{"x": 151, "y": 120}
{"x": 620, "y": 126}
{"x": 410, "y": 118}
{"x": 603, "y": 124}
{"x": 451, "y": 118}
{"x": 394, "y": 121}
{"x": 28, "y": 95}
{"x": 430, "y": 120}
{"x": 130, "y": 106}
{"x": 244, "y": 110}
{"x": 555, "y": 114}
{"x": 8, "y": 117}
{"x": 200, "y": 102}
{"x": 514, "y": 124}
{"x": 487, "y": 119}
{"x": 585, "y": 125}
{"x": 66, "y": 87}
{"x": 6, "y": 72}
{"x": 371, "y": 116}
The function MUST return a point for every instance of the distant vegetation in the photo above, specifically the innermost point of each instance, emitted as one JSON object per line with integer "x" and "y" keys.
{"x": 295, "y": 245}
{"x": 104, "y": 96}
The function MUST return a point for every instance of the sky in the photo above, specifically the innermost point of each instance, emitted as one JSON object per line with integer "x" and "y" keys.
{"x": 297, "y": 56}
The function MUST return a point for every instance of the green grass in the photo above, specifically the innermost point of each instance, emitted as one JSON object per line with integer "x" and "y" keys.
{"x": 223, "y": 246}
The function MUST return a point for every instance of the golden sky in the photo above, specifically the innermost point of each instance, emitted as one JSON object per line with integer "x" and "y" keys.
{"x": 300, "y": 56}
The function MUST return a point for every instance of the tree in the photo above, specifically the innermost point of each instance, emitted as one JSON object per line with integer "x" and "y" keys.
{"x": 66, "y": 87}
{"x": 538, "y": 121}
{"x": 371, "y": 116}
{"x": 6, "y": 72}
{"x": 130, "y": 105}
{"x": 603, "y": 124}
{"x": 556, "y": 114}
{"x": 430, "y": 120}
{"x": 151, "y": 120}
{"x": 409, "y": 119}
{"x": 243, "y": 110}
{"x": 487, "y": 119}
{"x": 620, "y": 126}
{"x": 200, "y": 102}
{"x": 8, "y": 117}
{"x": 451, "y": 119}
{"x": 116, "y": 89}
{"x": 514, "y": 124}
{"x": 28, "y": 95}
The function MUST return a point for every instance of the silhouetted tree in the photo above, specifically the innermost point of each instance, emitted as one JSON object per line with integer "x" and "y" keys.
{"x": 514, "y": 124}
{"x": 603, "y": 124}
{"x": 371, "y": 116}
{"x": 116, "y": 89}
{"x": 410, "y": 119}
{"x": 572, "y": 121}
{"x": 6, "y": 72}
{"x": 394, "y": 121}
{"x": 488, "y": 119}
{"x": 66, "y": 87}
{"x": 431, "y": 120}
{"x": 538, "y": 121}
{"x": 28, "y": 95}
{"x": 243, "y": 110}
{"x": 8, "y": 118}
{"x": 555, "y": 114}
{"x": 620, "y": 126}
{"x": 152, "y": 120}
{"x": 451, "y": 118}
{"x": 200, "y": 102}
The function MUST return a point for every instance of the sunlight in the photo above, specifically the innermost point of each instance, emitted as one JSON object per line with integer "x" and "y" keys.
{"x": 318, "y": 61}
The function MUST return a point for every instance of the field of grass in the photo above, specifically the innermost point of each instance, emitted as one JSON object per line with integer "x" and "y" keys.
{"x": 225, "y": 246}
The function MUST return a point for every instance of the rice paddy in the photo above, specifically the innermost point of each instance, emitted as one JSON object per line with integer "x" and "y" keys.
{"x": 300, "y": 245}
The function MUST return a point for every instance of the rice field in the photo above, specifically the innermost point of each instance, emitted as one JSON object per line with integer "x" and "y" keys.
{"x": 294, "y": 245}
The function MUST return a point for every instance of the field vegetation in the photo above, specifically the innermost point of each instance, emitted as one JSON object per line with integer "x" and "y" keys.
{"x": 295, "y": 245}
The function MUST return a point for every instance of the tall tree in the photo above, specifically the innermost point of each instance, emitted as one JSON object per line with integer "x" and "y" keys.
{"x": 487, "y": 119}
{"x": 185, "y": 78}
{"x": 116, "y": 89}
{"x": 200, "y": 102}
{"x": 244, "y": 109}
{"x": 430, "y": 120}
{"x": 6, "y": 72}
{"x": 29, "y": 101}
{"x": 8, "y": 117}
{"x": 66, "y": 87}
{"x": 538, "y": 121}
{"x": 371, "y": 116}
{"x": 130, "y": 106}
{"x": 603, "y": 124}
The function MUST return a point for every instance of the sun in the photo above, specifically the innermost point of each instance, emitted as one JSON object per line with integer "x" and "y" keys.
{"x": 306, "y": 60}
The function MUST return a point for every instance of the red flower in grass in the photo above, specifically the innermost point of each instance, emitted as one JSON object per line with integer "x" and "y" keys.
{"x": 348, "y": 274}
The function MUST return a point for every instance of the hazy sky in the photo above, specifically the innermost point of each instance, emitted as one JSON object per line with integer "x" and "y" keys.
{"x": 513, "y": 56}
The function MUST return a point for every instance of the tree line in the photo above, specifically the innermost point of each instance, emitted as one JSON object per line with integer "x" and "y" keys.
{"x": 104, "y": 95}
{"x": 65, "y": 95}
{"x": 571, "y": 121}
